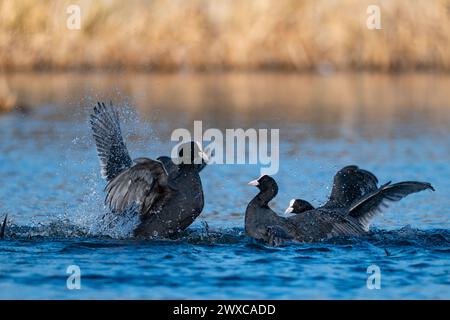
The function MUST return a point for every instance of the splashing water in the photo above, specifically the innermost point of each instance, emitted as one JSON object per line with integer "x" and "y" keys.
{"x": 53, "y": 193}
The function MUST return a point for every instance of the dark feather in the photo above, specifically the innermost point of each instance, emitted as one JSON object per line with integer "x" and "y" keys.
{"x": 111, "y": 149}
{"x": 172, "y": 169}
{"x": 3, "y": 228}
{"x": 141, "y": 185}
{"x": 367, "y": 207}
{"x": 349, "y": 184}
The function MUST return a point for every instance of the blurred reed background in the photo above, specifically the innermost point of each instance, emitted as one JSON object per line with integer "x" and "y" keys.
{"x": 199, "y": 35}
{"x": 225, "y": 34}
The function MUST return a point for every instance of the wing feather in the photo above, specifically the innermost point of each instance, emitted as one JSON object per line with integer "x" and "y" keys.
{"x": 141, "y": 185}
{"x": 371, "y": 204}
{"x": 349, "y": 184}
{"x": 111, "y": 150}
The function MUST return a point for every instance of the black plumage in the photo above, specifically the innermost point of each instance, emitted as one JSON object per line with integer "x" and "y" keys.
{"x": 355, "y": 199}
{"x": 166, "y": 193}
{"x": 111, "y": 149}
{"x": 3, "y": 227}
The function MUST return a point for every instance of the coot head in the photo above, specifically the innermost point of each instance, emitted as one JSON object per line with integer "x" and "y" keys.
{"x": 192, "y": 153}
{"x": 298, "y": 206}
{"x": 265, "y": 183}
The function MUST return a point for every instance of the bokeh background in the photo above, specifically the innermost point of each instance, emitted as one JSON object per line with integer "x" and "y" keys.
{"x": 225, "y": 34}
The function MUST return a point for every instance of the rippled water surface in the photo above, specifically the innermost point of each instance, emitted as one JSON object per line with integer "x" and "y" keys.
{"x": 395, "y": 126}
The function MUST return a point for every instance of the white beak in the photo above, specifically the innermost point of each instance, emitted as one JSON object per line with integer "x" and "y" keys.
{"x": 289, "y": 210}
{"x": 254, "y": 183}
{"x": 199, "y": 145}
{"x": 291, "y": 207}
{"x": 204, "y": 156}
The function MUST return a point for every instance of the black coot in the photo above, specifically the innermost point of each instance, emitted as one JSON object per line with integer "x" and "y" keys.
{"x": 166, "y": 193}
{"x": 355, "y": 199}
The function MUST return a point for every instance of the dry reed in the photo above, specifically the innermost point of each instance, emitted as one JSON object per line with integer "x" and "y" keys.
{"x": 225, "y": 34}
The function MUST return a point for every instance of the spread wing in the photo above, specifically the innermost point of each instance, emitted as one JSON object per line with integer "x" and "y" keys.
{"x": 350, "y": 184}
{"x": 338, "y": 225}
{"x": 371, "y": 204}
{"x": 111, "y": 149}
{"x": 141, "y": 185}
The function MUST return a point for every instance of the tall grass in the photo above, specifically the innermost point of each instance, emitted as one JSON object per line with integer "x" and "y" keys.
{"x": 225, "y": 34}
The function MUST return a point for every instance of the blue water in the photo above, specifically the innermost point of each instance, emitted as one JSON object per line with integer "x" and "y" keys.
{"x": 52, "y": 191}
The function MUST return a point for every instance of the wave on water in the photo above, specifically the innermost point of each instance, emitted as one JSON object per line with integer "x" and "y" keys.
{"x": 113, "y": 230}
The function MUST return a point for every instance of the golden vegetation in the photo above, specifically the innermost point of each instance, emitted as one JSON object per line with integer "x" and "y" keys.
{"x": 7, "y": 98}
{"x": 225, "y": 34}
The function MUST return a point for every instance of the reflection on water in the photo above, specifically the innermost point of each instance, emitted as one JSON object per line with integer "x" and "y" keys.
{"x": 337, "y": 105}
{"x": 396, "y": 126}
